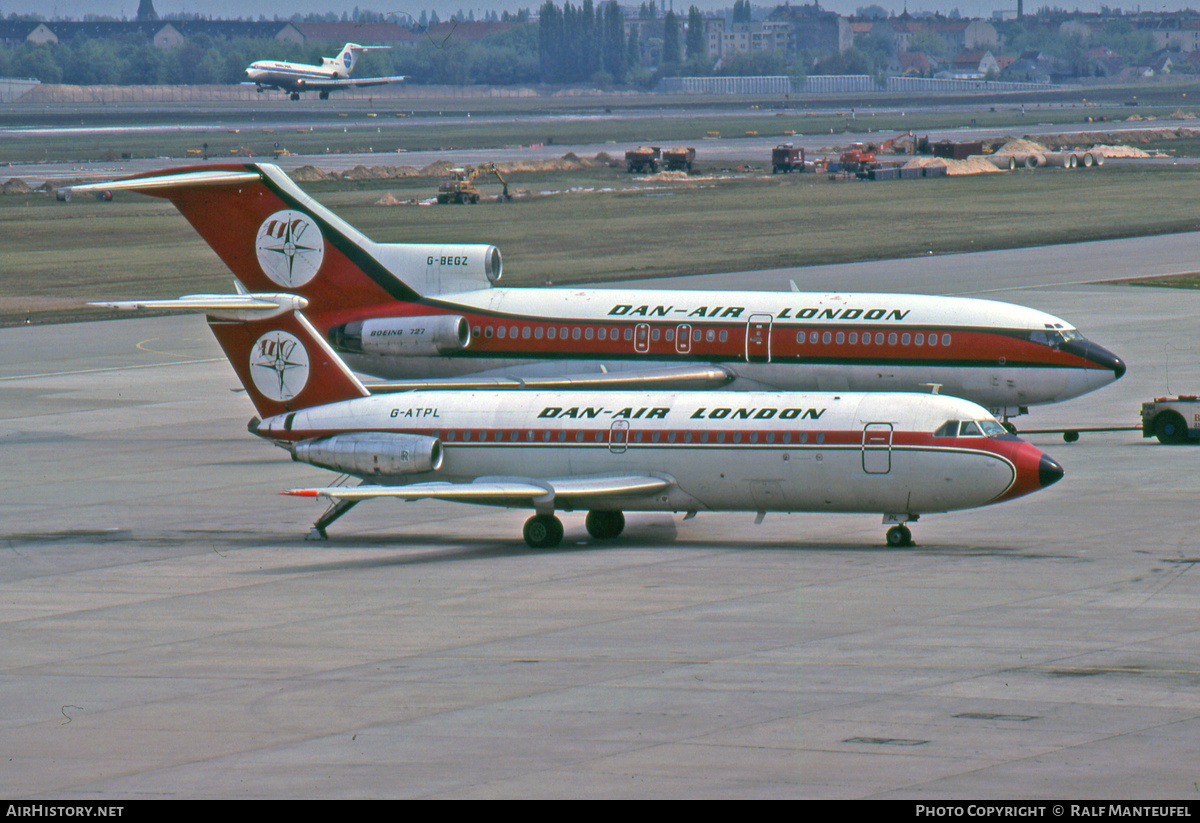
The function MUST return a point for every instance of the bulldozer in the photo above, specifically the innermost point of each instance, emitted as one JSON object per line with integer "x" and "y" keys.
{"x": 460, "y": 186}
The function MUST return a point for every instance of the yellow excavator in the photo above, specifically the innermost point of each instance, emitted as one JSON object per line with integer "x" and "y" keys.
{"x": 460, "y": 186}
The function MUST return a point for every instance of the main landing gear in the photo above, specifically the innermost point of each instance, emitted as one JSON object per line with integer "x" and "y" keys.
{"x": 545, "y": 531}
{"x": 899, "y": 536}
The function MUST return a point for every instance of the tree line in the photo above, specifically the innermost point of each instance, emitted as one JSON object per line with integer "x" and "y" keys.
{"x": 585, "y": 43}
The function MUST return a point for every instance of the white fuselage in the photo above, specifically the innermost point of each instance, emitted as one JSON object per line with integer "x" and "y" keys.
{"x": 976, "y": 349}
{"x": 753, "y": 451}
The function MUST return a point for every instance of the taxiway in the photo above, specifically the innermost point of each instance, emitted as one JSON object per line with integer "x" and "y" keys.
{"x": 169, "y": 633}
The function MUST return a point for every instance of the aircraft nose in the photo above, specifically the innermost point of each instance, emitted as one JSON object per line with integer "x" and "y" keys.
{"x": 1049, "y": 472}
{"x": 1098, "y": 355}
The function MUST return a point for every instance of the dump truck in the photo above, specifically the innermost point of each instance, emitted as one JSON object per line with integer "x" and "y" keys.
{"x": 679, "y": 159}
{"x": 643, "y": 159}
{"x": 786, "y": 158}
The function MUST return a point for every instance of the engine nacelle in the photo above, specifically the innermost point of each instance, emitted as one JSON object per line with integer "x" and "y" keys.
{"x": 370, "y": 454}
{"x": 431, "y": 268}
{"x": 427, "y": 336}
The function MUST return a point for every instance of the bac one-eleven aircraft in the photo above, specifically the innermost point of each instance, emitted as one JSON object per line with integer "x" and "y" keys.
{"x": 609, "y": 452}
{"x": 434, "y": 316}
{"x": 332, "y": 75}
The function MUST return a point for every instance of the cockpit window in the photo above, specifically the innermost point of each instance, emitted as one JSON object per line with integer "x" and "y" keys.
{"x": 1053, "y": 337}
{"x": 991, "y": 428}
{"x": 969, "y": 428}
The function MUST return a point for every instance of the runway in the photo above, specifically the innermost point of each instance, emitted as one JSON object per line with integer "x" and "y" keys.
{"x": 169, "y": 633}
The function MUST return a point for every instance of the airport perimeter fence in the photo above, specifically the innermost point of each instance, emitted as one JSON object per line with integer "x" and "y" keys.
{"x": 838, "y": 84}
{"x": 31, "y": 92}
{"x": 51, "y": 93}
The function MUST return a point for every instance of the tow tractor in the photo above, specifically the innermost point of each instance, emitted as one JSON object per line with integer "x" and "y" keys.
{"x": 1172, "y": 420}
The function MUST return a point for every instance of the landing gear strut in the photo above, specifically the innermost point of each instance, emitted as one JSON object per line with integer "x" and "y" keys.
{"x": 318, "y": 531}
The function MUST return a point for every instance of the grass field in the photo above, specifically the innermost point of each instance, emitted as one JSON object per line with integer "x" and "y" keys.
{"x": 603, "y": 225}
{"x": 387, "y": 125}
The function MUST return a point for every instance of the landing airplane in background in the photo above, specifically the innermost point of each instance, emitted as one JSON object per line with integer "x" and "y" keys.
{"x": 432, "y": 316}
{"x": 332, "y": 75}
{"x": 609, "y": 452}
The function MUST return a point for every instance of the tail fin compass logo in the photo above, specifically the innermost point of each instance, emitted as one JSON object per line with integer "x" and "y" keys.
{"x": 279, "y": 365}
{"x": 290, "y": 248}
{"x": 347, "y": 59}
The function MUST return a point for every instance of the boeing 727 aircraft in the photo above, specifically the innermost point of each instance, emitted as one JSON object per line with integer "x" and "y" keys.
{"x": 435, "y": 316}
{"x": 902, "y": 455}
{"x": 332, "y": 75}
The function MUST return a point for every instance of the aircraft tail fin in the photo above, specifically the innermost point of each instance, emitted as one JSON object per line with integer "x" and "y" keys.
{"x": 272, "y": 235}
{"x": 283, "y": 362}
{"x": 348, "y": 58}
{"x": 274, "y": 238}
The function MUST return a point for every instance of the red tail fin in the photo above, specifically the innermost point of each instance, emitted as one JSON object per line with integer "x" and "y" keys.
{"x": 273, "y": 236}
{"x": 284, "y": 364}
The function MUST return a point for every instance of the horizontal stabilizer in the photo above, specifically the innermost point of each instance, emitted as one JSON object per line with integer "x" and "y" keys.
{"x": 665, "y": 379}
{"x": 191, "y": 180}
{"x": 221, "y": 306}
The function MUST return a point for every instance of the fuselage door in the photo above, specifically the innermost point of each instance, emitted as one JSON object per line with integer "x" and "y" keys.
{"x": 758, "y": 338}
{"x": 877, "y": 448}
{"x": 618, "y": 436}
{"x": 641, "y": 338}
{"x": 683, "y": 338}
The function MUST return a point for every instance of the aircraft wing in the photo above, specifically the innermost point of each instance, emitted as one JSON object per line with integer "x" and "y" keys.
{"x": 504, "y": 491}
{"x": 668, "y": 378}
{"x": 347, "y": 83}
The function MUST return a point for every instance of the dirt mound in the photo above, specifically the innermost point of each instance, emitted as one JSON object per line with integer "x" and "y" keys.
{"x": 1020, "y": 145}
{"x": 1116, "y": 137}
{"x": 972, "y": 165}
{"x": 308, "y": 174}
{"x": 1119, "y": 151}
{"x": 389, "y": 199}
{"x": 437, "y": 168}
{"x": 15, "y": 185}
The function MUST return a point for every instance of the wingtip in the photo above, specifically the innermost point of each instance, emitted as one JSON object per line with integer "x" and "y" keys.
{"x": 302, "y": 493}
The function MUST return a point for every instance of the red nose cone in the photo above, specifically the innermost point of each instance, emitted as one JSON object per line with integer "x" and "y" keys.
{"x": 1035, "y": 469}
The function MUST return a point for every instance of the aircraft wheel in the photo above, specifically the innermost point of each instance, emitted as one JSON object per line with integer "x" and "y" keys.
{"x": 605, "y": 525}
{"x": 1170, "y": 429}
{"x": 899, "y": 536}
{"x": 543, "y": 531}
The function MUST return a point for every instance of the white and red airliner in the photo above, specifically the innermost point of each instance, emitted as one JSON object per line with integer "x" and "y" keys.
{"x": 608, "y": 452}
{"x": 434, "y": 316}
